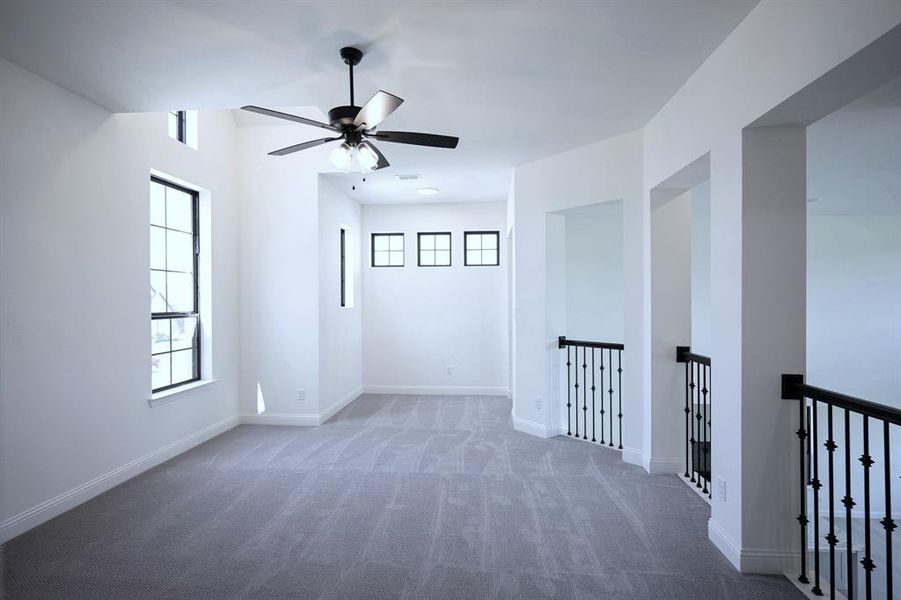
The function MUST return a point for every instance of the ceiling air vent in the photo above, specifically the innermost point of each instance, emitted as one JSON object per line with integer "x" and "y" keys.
{"x": 409, "y": 177}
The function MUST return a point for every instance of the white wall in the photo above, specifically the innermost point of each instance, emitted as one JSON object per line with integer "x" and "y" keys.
{"x": 418, "y": 321}
{"x": 594, "y": 273}
{"x": 854, "y": 305}
{"x": 701, "y": 336}
{"x": 279, "y": 294}
{"x": 340, "y": 328}
{"x": 552, "y": 185}
{"x": 74, "y": 315}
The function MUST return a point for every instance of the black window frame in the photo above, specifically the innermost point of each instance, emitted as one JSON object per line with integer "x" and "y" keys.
{"x": 181, "y": 125}
{"x": 195, "y": 312}
{"x": 450, "y": 247}
{"x": 343, "y": 266}
{"x": 497, "y": 235}
{"x": 372, "y": 249}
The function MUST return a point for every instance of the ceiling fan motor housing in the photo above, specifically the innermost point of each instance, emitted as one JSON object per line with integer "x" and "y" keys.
{"x": 343, "y": 116}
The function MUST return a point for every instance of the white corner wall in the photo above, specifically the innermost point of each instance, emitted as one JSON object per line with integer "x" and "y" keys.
{"x": 340, "y": 328}
{"x": 74, "y": 305}
{"x": 279, "y": 296}
{"x": 418, "y": 321}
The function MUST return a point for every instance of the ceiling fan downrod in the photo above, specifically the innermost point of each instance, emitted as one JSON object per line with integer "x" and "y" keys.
{"x": 351, "y": 56}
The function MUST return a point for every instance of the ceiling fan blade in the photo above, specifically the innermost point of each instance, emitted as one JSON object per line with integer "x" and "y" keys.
{"x": 377, "y": 109}
{"x": 303, "y": 146}
{"x": 417, "y": 139}
{"x": 383, "y": 162}
{"x": 280, "y": 115}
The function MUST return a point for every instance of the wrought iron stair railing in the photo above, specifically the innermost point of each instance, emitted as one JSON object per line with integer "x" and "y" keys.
{"x": 697, "y": 418}
{"x": 875, "y": 423}
{"x": 601, "y": 364}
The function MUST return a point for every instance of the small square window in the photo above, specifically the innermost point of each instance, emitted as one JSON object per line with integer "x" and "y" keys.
{"x": 434, "y": 249}
{"x": 387, "y": 249}
{"x": 481, "y": 248}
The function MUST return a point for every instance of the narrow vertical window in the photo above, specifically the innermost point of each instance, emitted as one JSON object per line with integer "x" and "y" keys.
{"x": 178, "y": 125}
{"x": 174, "y": 292}
{"x": 481, "y": 248}
{"x": 343, "y": 252}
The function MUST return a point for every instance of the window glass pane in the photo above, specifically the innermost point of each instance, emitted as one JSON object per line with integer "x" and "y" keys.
{"x": 180, "y": 256}
{"x": 179, "y": 210}
{"x": 157, "y": 204}
{"x": 442, "y": 258}
{"x": 397, "y": 242}
{"x": 183, "y": 333}
{"x": 380, "y": 258}
{"x": 427, "y": 242}
{"x": 396, "y": 259}
{"x": 473, "y": 241}
{"x": 173, "y": 127}
{"x": 182, "y": 366}
{"x": 427, "y": 258}
{"x": 159, "y": 336}
{"x": 181, "y": 292}
{"x": 380, "y": 242}
{"x": 442, "y": 242}
{"x": 158, "y": 291}
{"x": 157, "y": 248}
{"x": 489, "y": 257}
{"x": 159, "y": 371}
{"x": 473, "y": 257}
{"x": 489, "y": 241}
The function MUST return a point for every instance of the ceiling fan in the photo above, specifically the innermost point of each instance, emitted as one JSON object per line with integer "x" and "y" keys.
{"x": 357, "y": 127}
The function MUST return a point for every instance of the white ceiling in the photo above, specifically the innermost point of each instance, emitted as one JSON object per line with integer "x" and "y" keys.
{"x": 854, "y": 157}
{"x": 515, "y": 80}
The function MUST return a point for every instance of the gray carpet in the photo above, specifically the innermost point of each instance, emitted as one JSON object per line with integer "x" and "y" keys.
{"x": 396, "y": 497}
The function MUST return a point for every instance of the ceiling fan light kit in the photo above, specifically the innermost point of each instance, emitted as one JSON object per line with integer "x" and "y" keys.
{"x": 356, "y": 126}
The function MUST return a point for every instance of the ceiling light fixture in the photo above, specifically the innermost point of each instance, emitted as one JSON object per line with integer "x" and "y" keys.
{"x": 427, "y": 191}
{"x": 360, "y": 157}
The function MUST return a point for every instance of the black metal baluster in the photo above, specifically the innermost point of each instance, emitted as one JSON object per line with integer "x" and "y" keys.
{"x": 576, "y": 411}
{"x": 699, "y": 443}
{"x": 568, "y": 394}
{"x": 706, "y": 456}
{"x": 867, "y": 461}
{"x": 691, "y": 386}
{"x": 610, "y": 390}
{"x": 602, "y": 397}
{"x": 687, "y": 443}
{"x": 815, "y": 483}
{"x": 619, "y": 392}
{"x": 848, "y": 502}
{"x": 593, "y": 388}
{"x": 830, "y": 537}
{"x": 888, "y": 523}
{"x": 584, "y": 394}
{"x": 709, "y": 430}
{"x": 802, "y": 517}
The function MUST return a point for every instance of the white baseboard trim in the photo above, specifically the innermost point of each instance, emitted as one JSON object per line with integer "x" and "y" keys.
{"x": 291, "y": 419}
{"x": 724, "y": 543}
{"x": 335, "y": 408}
{"x": 760, "y": 561}
{"x": 633, "y": 456}
{"x": 45, "y": 511}
{"x": 530, "y": 427}
{"x": 663, "y": 466}
{"x": 437, "y": 390}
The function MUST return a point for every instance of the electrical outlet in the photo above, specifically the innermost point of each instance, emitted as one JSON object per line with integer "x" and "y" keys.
{"x": 537, "y": 403}
{"x": 721, "y": 488}
{"x": 301, "y": 395}
{"x": 450, "y": 369}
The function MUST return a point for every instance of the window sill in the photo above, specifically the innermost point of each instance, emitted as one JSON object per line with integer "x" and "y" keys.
{"x": 168, "y": 396}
